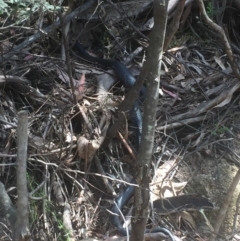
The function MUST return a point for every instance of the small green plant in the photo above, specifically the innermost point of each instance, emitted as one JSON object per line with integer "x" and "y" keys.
{"x": 58, "y": 221}
{"x": 220, "y": 130}
{"x": 4, "y": 8}
{"x": 34, "y": 205}
{"x": 23, "y": 9}
{"x": 210, "y": 10}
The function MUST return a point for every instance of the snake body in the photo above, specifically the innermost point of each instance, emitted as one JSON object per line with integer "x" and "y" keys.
{"x": 128, "y": 79}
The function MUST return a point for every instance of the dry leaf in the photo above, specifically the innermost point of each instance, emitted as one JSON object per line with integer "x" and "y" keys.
{"x": 29, "y": 57}
{"x": 229, "y": 95}
{"x": 81, "y": 87}
{"x": 69, "y": 137}
{"x": 87, "y": 148}
{"x": 40, "y": 142}
{"x": 64, "y": 77}
{"x": 179, "y": 77}
{"x": 105, "y": 81}
{"x": 159, "y": 183}
{"x": 167, "y": 189}
{"x": 190, "y": 83}
{"x": 171, "y": 94}
{"x": 199, "y": 139}
{"x": 187, "y": 217}
{"x": 219, "y": 62}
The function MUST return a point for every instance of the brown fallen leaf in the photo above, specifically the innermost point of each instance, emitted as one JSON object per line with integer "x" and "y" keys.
{"x": 229, "y": 95}
{"x": 87, "y": 148}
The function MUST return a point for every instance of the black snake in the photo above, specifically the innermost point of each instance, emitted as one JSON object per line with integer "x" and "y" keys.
{"x": 174, "y": 204}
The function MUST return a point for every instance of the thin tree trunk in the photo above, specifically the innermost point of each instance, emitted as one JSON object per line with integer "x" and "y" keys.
{"x": 153, "y": 66}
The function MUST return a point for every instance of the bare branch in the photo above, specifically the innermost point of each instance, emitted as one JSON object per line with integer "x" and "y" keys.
{"x": 21, "y": 230}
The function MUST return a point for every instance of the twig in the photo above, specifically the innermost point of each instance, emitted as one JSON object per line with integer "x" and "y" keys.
{"x": 105, "y": 180}
{"x": 46, "y": 223}
{"x": 130, "y": 150}
{"x": 184, "y": 122}
{"x": 12, "y": 79}
{"x": 124, "y": 220}
{"x": 133, "y": 55}
{"x": 87, "y": 122}
{"x": 81, "y": 172}
{"x": 36, "y": 189}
